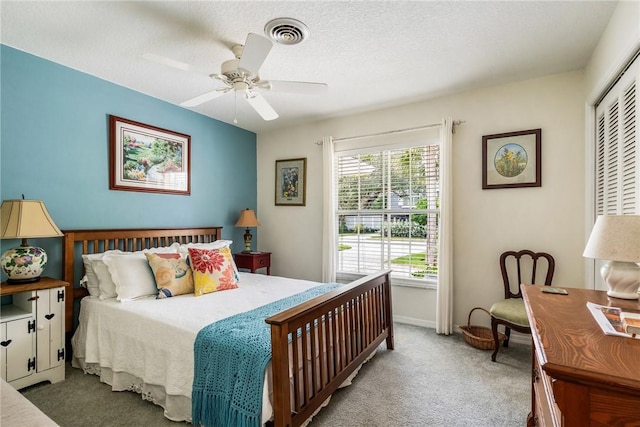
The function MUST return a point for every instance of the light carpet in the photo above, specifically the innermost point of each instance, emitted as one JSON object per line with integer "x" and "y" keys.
{"x": 428, "y": 380}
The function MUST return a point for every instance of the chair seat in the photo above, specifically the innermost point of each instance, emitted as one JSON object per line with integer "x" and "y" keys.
{"x": 511, "y": 310}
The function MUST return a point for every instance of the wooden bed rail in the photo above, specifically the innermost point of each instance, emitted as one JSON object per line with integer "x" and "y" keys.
{"x": 127, "y": 240}
{"x": 323, "y": 341}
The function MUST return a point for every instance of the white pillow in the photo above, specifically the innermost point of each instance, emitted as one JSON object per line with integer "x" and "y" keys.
{"x": 90, "y": 280}
{"x": 96, "y": 270}
{"x": 98, "y": 278}
{"x": 131, "y": 275}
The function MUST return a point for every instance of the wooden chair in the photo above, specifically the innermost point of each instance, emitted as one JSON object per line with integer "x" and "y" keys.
{"x": 510, "y": 312}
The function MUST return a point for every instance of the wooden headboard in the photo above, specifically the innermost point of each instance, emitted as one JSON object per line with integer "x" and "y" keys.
{"x": 80, "y": 242}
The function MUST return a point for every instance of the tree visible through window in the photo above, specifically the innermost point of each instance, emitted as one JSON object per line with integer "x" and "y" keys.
{"x": 388, "y": 211}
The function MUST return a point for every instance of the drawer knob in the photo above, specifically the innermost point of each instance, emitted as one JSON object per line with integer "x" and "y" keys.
{"x": 262, "y": 261}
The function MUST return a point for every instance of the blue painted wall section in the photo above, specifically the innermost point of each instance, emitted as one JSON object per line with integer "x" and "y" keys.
{"x": 54, "y": 136}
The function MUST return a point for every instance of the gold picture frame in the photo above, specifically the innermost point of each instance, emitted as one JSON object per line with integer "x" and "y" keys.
{"x": 148, "y": 159}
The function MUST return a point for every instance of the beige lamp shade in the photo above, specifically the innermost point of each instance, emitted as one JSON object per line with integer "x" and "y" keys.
{"x": 616, "y": 238}
{"x": 247, "y": 219}
{"x": 22, "y": 219}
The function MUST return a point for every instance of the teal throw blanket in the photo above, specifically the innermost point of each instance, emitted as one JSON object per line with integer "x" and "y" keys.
{"x": 231, "y": 356}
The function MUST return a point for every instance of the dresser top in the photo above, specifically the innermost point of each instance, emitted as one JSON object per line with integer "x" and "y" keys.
{"x": 43, "y": 283}
{"x": 570, "y": 344}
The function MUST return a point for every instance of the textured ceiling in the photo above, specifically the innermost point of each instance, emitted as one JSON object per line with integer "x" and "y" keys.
{"x": 372, "y": 54}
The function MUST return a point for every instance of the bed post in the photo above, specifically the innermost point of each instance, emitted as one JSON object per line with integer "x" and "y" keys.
{"x": 280, "y": 372}
{"x": 67, "y": 276}
{"x": 387, "y": 310}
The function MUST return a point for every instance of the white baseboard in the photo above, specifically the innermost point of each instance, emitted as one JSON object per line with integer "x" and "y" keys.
{"x": 516, "y": 338}
{"x": 415, "y": 322}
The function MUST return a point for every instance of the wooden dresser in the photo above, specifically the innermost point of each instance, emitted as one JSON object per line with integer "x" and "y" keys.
{"x": 581, "y": 377}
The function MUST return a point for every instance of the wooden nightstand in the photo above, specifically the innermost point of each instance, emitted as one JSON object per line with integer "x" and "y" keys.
{"x": 253, "y": 261}
{"x": 32, "y": 332}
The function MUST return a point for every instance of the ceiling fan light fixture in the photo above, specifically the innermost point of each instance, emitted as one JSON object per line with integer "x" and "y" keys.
{"x": 287, "y": 31}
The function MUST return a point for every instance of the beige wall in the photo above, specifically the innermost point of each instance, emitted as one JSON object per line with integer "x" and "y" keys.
{"x": 620, "y": 39}
{"x": 486, "y": 222}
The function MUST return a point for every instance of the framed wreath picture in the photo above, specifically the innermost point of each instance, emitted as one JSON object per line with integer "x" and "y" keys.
{"x": 148, "y": 159}
{"x": 291, "y": 182}
{"x": 511, "y": 160}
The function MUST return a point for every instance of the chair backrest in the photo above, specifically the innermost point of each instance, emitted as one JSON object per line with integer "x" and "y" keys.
{"x": 516, "y": 267}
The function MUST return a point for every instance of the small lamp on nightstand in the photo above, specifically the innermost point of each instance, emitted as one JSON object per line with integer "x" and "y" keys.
{"x": 616, "y": 238}
{"x": 247, "y": 219}
{"x": 23, "y": 219}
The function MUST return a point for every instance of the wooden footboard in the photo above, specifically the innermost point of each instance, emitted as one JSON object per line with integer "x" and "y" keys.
{"x": 346, "y": 325}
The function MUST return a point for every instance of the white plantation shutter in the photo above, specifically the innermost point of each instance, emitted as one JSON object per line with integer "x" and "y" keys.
{"x": 617, "y": 152}
{"x": 629, "y": 155}
{"x": 617, "y": 161}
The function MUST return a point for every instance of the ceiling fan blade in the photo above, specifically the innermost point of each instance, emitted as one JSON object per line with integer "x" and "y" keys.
{"x": 255, "y": 51}
{"x": 295, "y": 87}
{"x": 201, "y": 99}
{"x": 167, "y": 61}
{"x": 261, "y": 106}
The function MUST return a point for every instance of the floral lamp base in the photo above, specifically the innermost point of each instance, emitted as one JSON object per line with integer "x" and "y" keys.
{"x": 24, "y": 264}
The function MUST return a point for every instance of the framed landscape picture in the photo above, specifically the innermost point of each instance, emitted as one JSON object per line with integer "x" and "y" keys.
{"x": 511, "y": 160}
{"x": 147, "y": 158}
{"x": 291, "y": 181}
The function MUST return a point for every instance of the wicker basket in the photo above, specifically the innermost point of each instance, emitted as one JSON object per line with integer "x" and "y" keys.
{"x": 480, "y": 337}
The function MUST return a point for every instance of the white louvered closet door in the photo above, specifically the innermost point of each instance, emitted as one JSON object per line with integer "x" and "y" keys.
{"x": 617, "y": 156}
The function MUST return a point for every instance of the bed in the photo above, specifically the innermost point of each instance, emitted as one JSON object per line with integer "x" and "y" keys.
{"x": 333, "y": 334}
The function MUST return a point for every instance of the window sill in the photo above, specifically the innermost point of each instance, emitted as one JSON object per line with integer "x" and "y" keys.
{"x": 395, "y": 281}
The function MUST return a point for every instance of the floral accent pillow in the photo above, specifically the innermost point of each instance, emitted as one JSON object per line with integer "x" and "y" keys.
{"x": 212, "y": 270}
{"x": 172, "y": 274}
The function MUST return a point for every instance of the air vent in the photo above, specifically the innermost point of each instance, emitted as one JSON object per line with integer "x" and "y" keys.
{"x": 286, "y": 31}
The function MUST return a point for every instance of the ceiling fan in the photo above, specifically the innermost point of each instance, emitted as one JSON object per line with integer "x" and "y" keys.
{"x": 240, "y": 75}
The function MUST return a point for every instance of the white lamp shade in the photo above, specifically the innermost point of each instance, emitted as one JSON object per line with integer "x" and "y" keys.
{"x": 22, "y": 219}
{"x": 615, "y": 238}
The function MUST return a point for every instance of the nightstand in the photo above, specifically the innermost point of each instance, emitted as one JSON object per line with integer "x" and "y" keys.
{"x": 32, "y": 332}
{"x": 253, "y": 261}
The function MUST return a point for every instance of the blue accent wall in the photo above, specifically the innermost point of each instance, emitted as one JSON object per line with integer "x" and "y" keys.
{"x": 54, "y": 140}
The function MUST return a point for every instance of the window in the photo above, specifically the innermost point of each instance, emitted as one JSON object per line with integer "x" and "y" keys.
{"x": 388, "y": 211}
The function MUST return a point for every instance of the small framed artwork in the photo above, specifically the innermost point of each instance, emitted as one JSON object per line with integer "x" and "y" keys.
{"x": 148, "y": 159}
{"x": 511, "y": 160}
{"x": 291, "y": 182}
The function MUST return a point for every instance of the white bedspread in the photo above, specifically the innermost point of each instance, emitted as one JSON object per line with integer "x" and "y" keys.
{"x": 146, "y": 345}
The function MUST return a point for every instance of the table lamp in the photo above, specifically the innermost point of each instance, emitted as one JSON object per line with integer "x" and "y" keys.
{"x": 23, "y": 219}
{"x": 247, "y": 219}
{"x": 616, "y": 238}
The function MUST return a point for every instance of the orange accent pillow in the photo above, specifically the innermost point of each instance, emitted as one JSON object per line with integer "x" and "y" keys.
{"x": 171, "y": 273}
